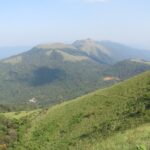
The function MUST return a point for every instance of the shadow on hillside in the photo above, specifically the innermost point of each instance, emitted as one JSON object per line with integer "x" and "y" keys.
{"x": 45, "y": 75}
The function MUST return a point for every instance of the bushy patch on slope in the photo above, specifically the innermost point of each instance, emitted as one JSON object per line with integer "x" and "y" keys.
{"x": 8, "y": 131}
{"x": 13, "y": 125}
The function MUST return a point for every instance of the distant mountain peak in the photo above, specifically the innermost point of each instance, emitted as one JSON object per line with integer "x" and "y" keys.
{"x": 91, "y": 47}
{"x": 86, "y": 41}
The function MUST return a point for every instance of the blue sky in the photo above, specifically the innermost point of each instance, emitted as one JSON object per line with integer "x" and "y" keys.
{"x": 25, "y": 23}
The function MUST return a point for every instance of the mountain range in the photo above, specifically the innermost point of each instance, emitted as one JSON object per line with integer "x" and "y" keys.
{"x": 52, "y": 73}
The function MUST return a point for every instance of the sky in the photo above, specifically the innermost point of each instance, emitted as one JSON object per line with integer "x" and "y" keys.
{"x": 26, "y": 23}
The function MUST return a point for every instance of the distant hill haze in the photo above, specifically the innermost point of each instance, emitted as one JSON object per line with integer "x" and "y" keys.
{"x": 51, "y": 73}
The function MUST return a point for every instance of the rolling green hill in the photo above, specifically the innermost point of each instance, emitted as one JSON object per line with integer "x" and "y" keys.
{"x": 127, "y": 68}
{"x": 49, "y": 76}
{"x": 94, "y": 121}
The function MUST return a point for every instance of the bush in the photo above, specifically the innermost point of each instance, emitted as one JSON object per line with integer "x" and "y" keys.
{"x": 141, "y": 147}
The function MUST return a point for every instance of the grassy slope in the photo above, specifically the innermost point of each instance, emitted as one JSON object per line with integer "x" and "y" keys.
{"x": 133, "y": 139}
{"x": 88, "y": 120}
{"x": 19, "y": 115}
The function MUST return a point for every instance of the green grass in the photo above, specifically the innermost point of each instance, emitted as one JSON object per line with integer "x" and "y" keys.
{"x": 87, "y": 122}
{"x": 133, "y": 139}
{"x": 20, "y": 114}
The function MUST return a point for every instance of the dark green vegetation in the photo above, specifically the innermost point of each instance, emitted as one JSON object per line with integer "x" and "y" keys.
{"x": 47, "y": 78}
{"x": 4, "y": 108}
{"x": 12, "y": 125}
{"x": 8, "y": 132}
{"x": 126, "y": 69}
{"x": 50, "y": 74}
{"x": 94, "y": 121}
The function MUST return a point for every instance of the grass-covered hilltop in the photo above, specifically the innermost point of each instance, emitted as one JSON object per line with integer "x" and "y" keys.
{"x": 115, "y": 118}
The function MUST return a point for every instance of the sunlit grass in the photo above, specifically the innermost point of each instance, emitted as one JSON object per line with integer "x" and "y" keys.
{"x": 19, "y": 114}
{"x": 133, "y": 139}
